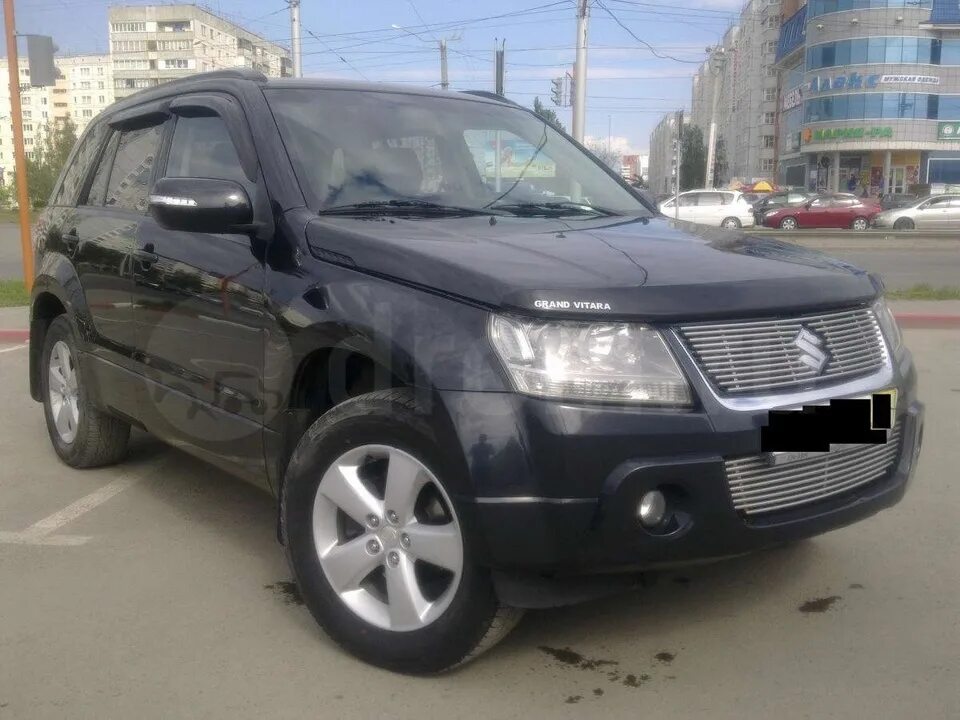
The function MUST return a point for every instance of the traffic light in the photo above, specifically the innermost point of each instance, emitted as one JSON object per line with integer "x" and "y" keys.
{"x": 556, "y": 93}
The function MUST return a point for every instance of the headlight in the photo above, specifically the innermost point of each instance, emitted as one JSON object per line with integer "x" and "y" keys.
{"x": 607, "y": 362}
{"x": 888, "y": 324}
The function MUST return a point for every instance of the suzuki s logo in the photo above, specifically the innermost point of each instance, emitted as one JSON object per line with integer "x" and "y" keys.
{"x": 812, "y": 353}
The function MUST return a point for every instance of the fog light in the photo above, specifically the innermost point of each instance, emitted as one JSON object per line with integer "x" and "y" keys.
{"x": 653, "y": 508}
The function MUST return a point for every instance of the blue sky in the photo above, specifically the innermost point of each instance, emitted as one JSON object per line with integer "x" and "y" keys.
{"x": 629, "y": 87}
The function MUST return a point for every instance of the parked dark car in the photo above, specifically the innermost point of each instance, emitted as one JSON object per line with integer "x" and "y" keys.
{"x": 777, "y": 200}
{"x": 824, "y": 211}
{"x": 472, "y": 385}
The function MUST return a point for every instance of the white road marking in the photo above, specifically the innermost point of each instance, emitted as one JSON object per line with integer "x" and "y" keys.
{"x": 42, "y": 531}
{"x": 15, "y": 347}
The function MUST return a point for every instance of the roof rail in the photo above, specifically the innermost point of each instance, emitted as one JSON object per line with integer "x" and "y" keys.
{"x": 230, "y": 74}
{"x": 490, "y": 96}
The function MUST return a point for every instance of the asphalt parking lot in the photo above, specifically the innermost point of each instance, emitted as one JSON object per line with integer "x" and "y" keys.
{"x": 156, "y": 589}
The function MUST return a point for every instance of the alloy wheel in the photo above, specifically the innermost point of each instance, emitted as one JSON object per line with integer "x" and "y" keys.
{"x": 64, "y": 390}
{"x": 387, "y": 537}
{"x": 860, "y": 224}
{"x": 788, "y": 224}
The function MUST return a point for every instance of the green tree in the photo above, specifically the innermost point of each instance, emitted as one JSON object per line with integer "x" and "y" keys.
{"x": 720, "y": 164}
{"x": 693, "y": 163}
{"x": 50, "y": 152}
{"x": 547, "y": 114}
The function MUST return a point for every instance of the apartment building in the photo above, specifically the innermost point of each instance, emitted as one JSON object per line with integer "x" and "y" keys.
{"x": 152, "y": 44}
{"x": 84, "y": 88}
{"x": 744, "y": 67}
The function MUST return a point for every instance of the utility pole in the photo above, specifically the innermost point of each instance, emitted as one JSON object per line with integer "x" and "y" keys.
{"x": 498, "y": 141}
{"x": 717, "y": 60}
{"x": 678, "y": 159}
{"x": 295, "y": 37}
{"x": 444, "y": 84}
{"x": 500, "y": 54}
{"x": 580, "y": 71}
{"x": 19, "y": 153}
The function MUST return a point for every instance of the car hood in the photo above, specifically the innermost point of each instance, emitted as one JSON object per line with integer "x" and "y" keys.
{"x": 630, "y": 268}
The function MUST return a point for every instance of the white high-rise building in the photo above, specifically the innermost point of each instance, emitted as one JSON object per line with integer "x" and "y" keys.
{"x": 84, "y": 88}
{"x": 151, "y": 44}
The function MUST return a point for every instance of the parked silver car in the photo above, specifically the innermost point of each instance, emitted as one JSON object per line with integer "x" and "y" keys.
{"x": 939, "y": 212}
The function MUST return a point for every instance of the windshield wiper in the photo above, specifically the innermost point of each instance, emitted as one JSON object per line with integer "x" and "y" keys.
{"x": 555, "y": 209}
{"x": 408, "y": 207}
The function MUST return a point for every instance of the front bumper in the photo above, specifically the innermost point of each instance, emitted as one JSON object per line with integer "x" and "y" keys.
{"x": 556, "y": 486}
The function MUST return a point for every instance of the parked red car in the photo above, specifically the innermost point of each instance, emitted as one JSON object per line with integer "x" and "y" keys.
{"x": 825, "y": 211}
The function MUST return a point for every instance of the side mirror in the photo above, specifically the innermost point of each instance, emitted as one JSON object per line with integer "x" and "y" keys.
{"x": 201, "y": 205}
{"x": 808, "y": 205}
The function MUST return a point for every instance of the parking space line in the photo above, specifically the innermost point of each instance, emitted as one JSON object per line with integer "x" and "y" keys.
{"x": 15, "y": 347}
{"x": 42, "y": 531}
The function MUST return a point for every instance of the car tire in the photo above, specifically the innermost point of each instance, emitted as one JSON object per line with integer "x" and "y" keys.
{"x": 788, "y": 223}
{"x": 83, "y": 436}
{"x": 731, "y": 223}
{"x": 369, "y": 435}
{"x": 860, "y": 224}
{"x": 904, "y": 224}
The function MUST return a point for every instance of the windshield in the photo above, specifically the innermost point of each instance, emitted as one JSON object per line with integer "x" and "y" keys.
{"x": 402, "y": 152}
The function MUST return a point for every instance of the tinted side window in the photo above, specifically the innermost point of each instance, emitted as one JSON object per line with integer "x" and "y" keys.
{"x": 202, "y": 148}
{"x": 709, "y": 198}
{"x": 688, "y": 200}
{"x": 76, "y": 173}
{"x": 130, "y": 177}
{"x": 98, "y": 187}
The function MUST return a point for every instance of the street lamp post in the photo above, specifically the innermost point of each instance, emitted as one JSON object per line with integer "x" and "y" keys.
{"x": 717, "y": 61}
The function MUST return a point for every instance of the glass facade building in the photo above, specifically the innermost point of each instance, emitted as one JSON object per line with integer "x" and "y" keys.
{"x": 867, "y": 94}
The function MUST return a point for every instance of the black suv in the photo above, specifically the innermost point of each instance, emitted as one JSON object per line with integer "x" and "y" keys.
{"x": 475, "y": 369}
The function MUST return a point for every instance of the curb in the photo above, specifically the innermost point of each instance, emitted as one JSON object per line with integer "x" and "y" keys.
{"x": 14, "y": 335}
{"x": 927, "y": 321}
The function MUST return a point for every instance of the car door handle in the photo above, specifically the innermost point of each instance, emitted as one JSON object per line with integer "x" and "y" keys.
{"x": 71, "y": 240}
{"x": 146, "y": 257}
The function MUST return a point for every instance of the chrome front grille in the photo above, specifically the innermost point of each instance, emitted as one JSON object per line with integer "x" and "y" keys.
{"x": 772, "y": 355}
{"x": 757, "y": 487}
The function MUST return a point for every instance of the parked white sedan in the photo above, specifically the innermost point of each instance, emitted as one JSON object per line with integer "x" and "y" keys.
{"x": 720, "y": 208}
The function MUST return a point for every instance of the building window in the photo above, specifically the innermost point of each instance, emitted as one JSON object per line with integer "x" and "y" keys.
{"x": 766, "y": 165}
{"x": 770, "y": 47}
{"x": 101, "y": 99}
{"x": 176, "y": 64}
{"x": 128, "y": 27}
{"x": 769, "y": 94}
{"x": 25, "y": 100}
{"x": 889, "y": 105}
{"x": 772, "y": 71}
{"x": 85, "y": 100}
{"x": 26, "y": 113}
{"x": 85, "y": 85}
{"x": 173, "y": 45}
{"x": 879, "y": 50}
{"x": 768, "y": 118}
{"x": 129, "y": 45}
{"x": 28, "y": 141}
{"x": 821, "y": 7}
{"x": 768, "y": 141}
{"x": 131, "y": 64}
{"x": 43, "y": 101}
{"x": 87, "y": 113}
{"x": 27, "y": 127}
{"x": 84, "y": 72}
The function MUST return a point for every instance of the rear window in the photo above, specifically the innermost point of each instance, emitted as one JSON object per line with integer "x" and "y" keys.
{"x": 79, "y": 168}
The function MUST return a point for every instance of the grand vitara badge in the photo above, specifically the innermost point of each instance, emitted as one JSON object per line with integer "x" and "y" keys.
{"x": 571, "y": 305}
